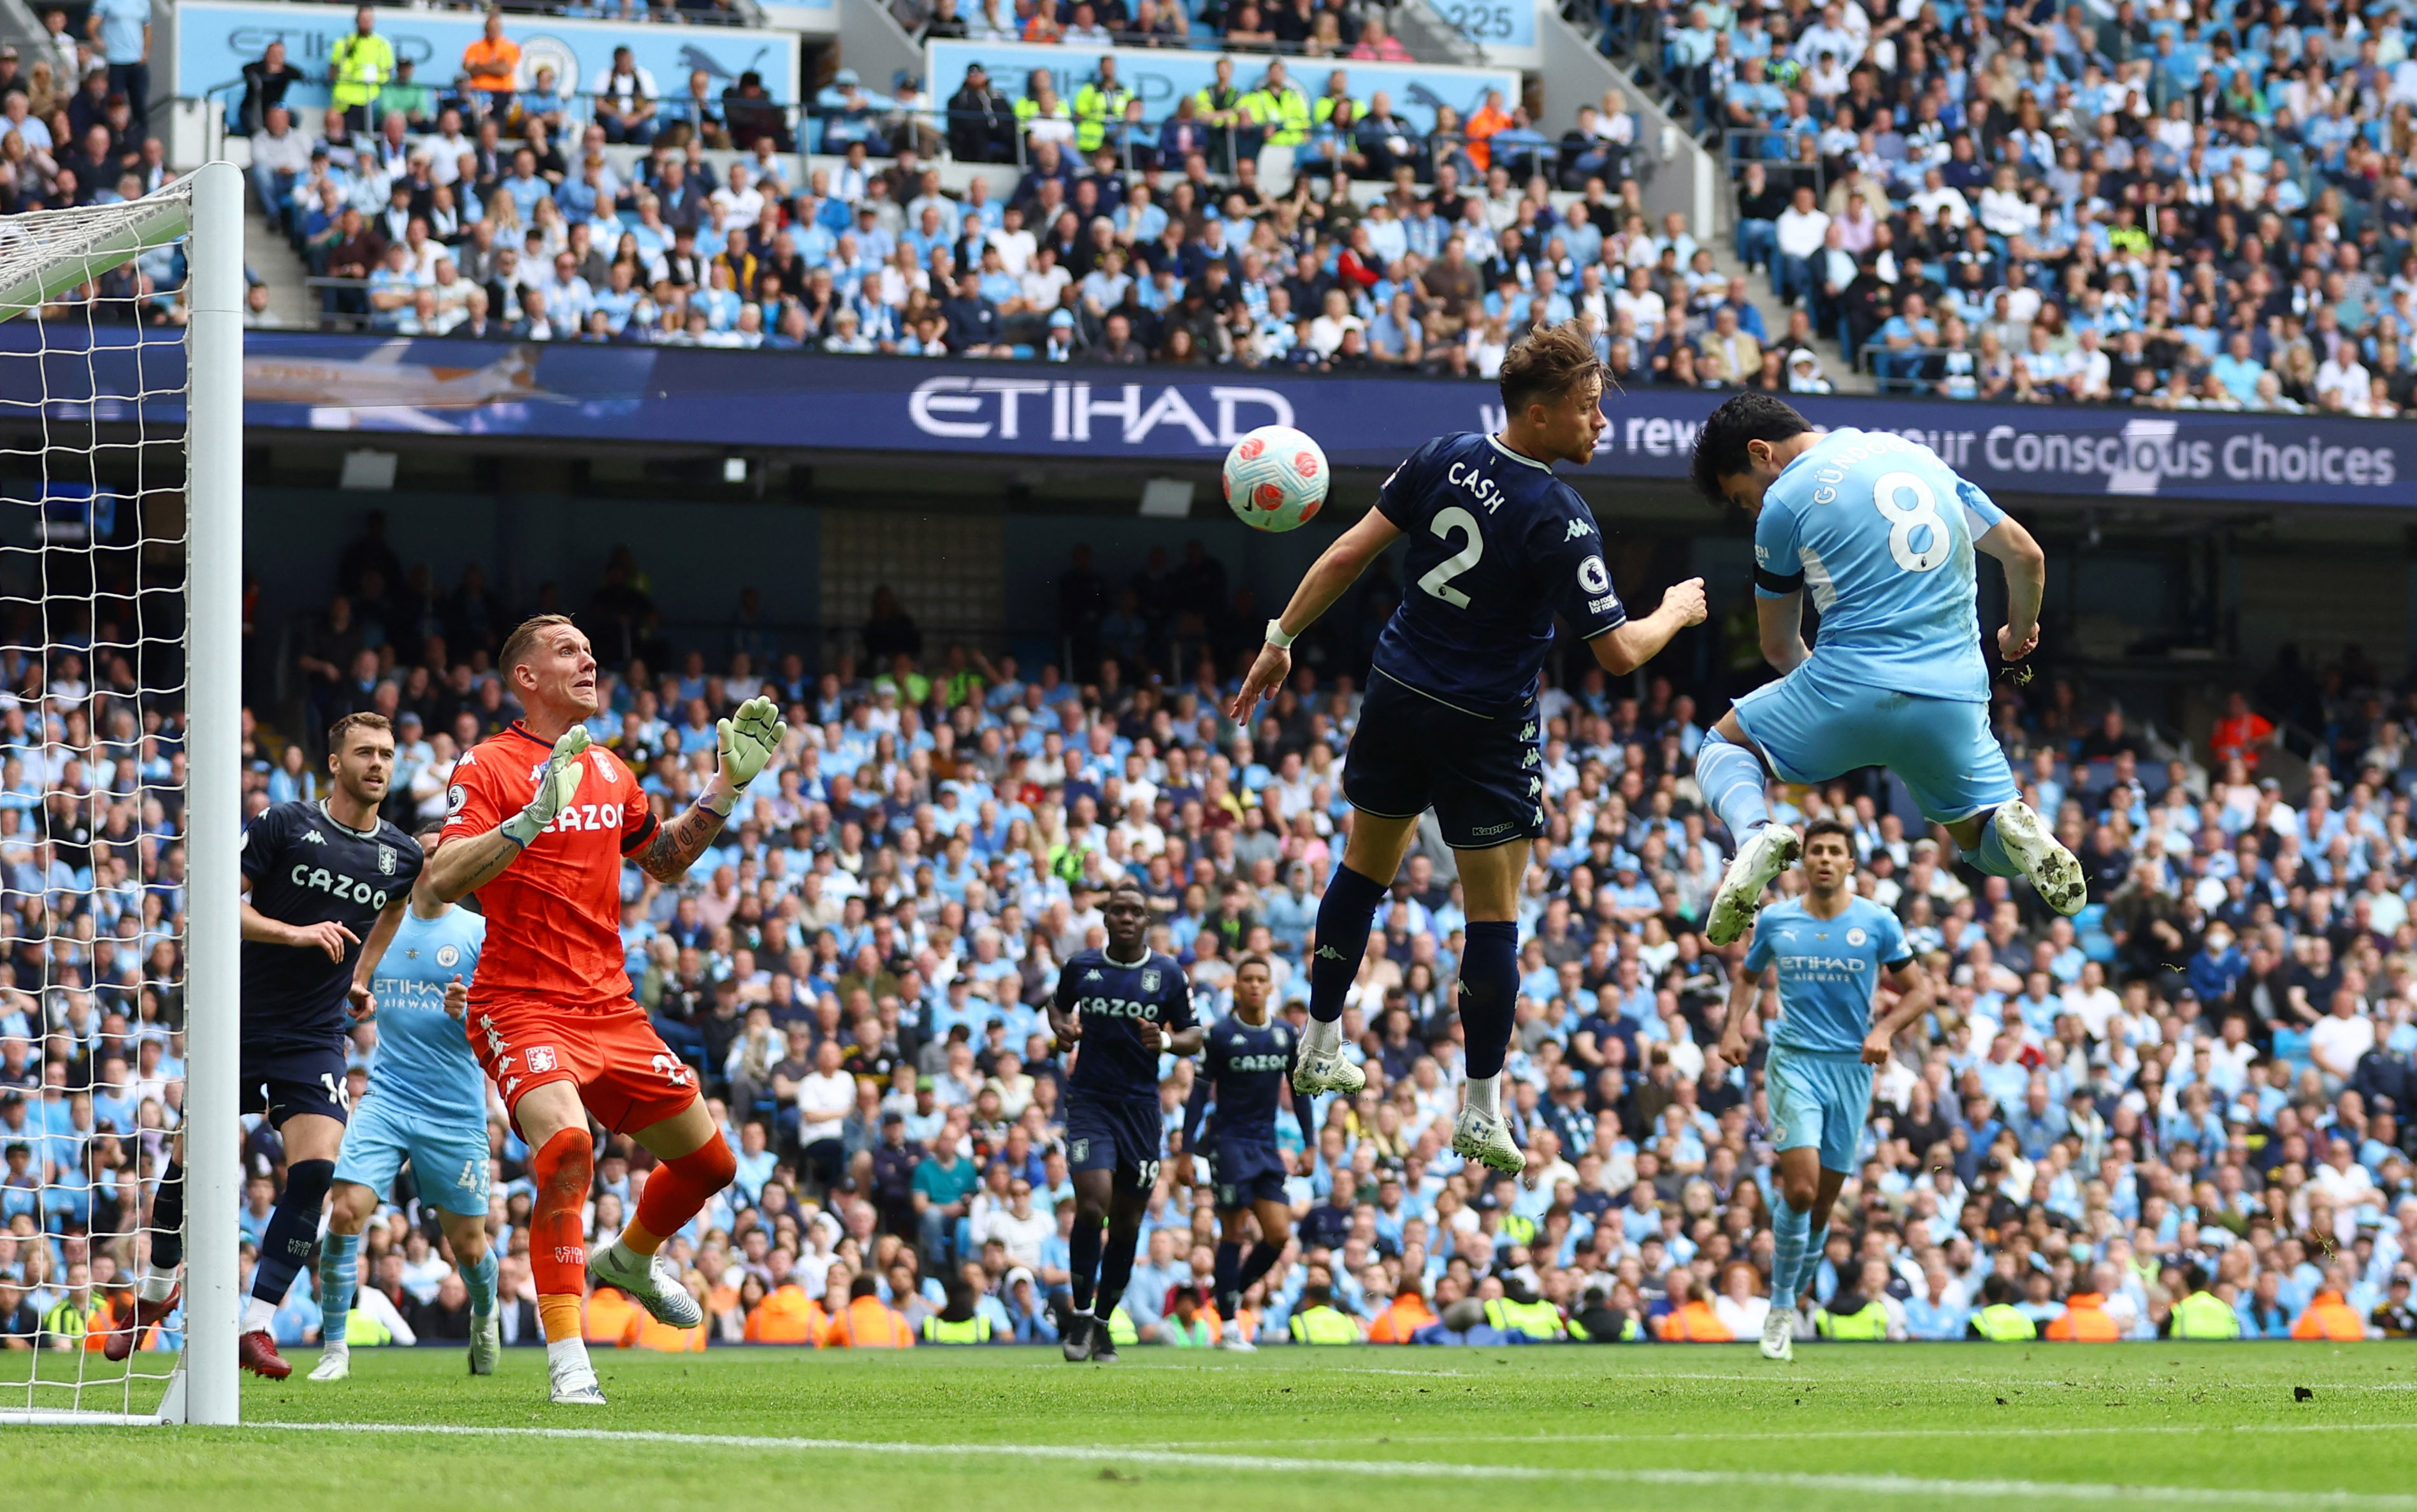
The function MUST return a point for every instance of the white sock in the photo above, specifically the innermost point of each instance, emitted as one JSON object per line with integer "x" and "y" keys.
{"x": 565, "y": 1354}
{"x": 157, "y": 1285}
{"x": 258, "y": 1313}
{"x": 1485, "y": 1093}
{"x": 336, "y": 1346}
{"x": 1323, "y": 1036}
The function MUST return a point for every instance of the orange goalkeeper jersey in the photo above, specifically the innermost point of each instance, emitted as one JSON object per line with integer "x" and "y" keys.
{"x": 554, "y": 917}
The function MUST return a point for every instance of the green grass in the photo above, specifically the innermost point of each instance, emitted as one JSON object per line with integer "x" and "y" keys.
{"x": 1579, "y": 1427}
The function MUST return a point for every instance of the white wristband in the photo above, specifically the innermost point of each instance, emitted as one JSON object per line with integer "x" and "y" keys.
{"x": 1276, "y": 636}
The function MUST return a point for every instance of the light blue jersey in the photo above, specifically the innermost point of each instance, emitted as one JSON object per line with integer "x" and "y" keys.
{"x": 1828, "y": 971}
{"x": 1881, "y": 532}
{"x": 424, "y": 1063}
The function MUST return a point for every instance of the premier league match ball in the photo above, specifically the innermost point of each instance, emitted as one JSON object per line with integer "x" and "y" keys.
{"x": 1275, "y": 479}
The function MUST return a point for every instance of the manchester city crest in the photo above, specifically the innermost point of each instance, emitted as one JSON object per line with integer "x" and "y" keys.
{"x": 449, "y": 956}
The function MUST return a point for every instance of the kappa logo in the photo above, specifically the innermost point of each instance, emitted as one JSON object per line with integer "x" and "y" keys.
{"x": 1527, "y": 731}
{"x": 1327, "y": 952}
{"x": 540, "y": 1058}
{"x": 1093, "y": 977}
{"x": 312, "y": 837}
{"x": 1535, "y": 786}
{"x": 1530, "y": 759}
{"x": 1578, "y": 528}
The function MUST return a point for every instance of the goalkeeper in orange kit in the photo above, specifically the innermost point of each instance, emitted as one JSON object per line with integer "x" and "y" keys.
{"x": 539, "y": 825}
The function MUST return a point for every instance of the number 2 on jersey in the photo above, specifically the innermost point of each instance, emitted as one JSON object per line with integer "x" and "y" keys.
{"x": 1446, "y": 524}
{"x": 1903, "y": 522}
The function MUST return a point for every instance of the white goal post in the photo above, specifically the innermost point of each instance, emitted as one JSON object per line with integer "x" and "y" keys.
{"x": 67, "y": 414}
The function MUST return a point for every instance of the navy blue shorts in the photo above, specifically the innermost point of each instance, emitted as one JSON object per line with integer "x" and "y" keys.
{"x": 1482, "y": 777}
{"x": 1113, "y": 1134}
{"x": 1246, "y": 1172}
{"x": 284, "y": 1080}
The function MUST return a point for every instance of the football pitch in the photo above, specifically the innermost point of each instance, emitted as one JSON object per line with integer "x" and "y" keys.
{"x": 1846, "y": 1426}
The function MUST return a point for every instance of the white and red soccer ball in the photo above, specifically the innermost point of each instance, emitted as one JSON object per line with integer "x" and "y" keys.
{"x": 1276, "y": 479}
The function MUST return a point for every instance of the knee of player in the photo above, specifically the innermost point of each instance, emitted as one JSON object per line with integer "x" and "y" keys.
{"x": 1799, "y": 1197}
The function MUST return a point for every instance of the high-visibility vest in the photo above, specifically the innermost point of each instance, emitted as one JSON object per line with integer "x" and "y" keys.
{"x": 869, "y": 1324}
{"x": 788, "y": 1316}
{"x": 1210, "y": 99}
{"x": 1322, "y": 110}
{"x": 1696, "y": 1324}
{"x": 1630, "y": 1330}
{"x": 1870, "y": 1321}
{"x": 358, "y": 67}
{"x": 1516, "y": 1228}
{"x": 1283, "y": 111}
{"x": 2330, "y": 1317}
{"x": 1121, "y": 1327}
{"x": 1027, "y": 110}
{"x": 1323, "y": 1325}
{"x": 1095, "y": 109}
{"x": 1537, "y": 1319}
{"x": 2084, "y": 1322}
{"x": 364, "y": 1331}
{"x": 2203, "y": 1315}
{"x": 939, "y": 1330}
{"x": 1406, "y": 1315}
{"x": 2002, "y": 1323}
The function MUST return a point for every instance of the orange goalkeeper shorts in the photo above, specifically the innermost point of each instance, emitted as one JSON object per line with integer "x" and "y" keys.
{"x": 624, "y": 1073}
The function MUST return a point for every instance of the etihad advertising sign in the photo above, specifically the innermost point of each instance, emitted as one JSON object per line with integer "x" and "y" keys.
{"x": 789, "y": 400}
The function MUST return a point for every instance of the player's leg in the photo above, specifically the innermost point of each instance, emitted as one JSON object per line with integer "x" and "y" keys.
{"x": 692, "y": 1163}
{"x": 1275, "y": 1237}
{"x": 351, "y": 1203}
{"x": 155, "y": 1296}
{"x": 1958, "y": 774}
{"x": 1233, "y": 1231}
{"x": 1126, "y": 1205}
{"x": 450, "y": 1164}
{"x": 1094, "y": 1190}
{"x": 1489, "y": 994}
{"x": 1387, "y": 778}
{"x": 1353, "y": 891}
{"x": 562, "y": 1163}
{"x": 474, "y": 1258}
{"x": 311, "y": 1142}
{"x": 1729, "y": 767}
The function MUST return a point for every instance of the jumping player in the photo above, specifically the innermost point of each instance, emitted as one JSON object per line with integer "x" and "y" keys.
{"x": 1882, "y": 532}
{"x": 1828, "y": 950}
{"x": 427, "y": 1102}
{"x": 540, "y": 826}
{"x": 1123, "y": 1007}
{"x": 1243, "y": 1074}
{"x": 1497, "y": 546}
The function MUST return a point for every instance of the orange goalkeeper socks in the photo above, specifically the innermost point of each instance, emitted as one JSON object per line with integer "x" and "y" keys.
{"x": 676, "y": 1190}
{"x": 564, "y": 1167}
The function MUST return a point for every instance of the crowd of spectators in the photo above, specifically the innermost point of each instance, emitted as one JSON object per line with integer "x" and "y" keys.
{"x": 1425, "y": 245}
{"x": 1310, "y": 28}
{"x": 2169, "y": 203}
{"x": 2197, "y": 1085}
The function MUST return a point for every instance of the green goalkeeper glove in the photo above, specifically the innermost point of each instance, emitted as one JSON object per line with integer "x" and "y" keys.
{"x": 555, "y": 785}
{"x": 747, "y": 741}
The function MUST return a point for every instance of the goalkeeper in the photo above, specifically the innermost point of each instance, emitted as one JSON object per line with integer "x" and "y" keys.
{"x": 539, "y": 827}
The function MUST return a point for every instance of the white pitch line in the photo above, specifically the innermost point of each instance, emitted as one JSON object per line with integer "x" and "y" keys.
{"x": 1427, "y": 1470}
{"x": 1539, "y": 1440}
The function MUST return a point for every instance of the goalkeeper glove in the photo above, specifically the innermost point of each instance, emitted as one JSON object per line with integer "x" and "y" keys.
{"x": 556, "y": 784}
{"x": 747, "y": 741}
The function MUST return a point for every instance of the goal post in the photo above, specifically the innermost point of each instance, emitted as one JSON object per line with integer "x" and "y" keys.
{"x": 96, "y": 413}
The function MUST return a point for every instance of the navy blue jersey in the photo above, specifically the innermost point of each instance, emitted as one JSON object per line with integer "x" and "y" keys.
{"x": 1112, "y": 999}
{"x": 1497, "y": 546}
{"x": 1244, "y": 1069}
{"x": 306, "y": 868}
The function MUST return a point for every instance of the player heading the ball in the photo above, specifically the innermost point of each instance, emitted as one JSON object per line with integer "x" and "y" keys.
{"x": 1497, "y": 546}
{"x": 1884, "y": 534}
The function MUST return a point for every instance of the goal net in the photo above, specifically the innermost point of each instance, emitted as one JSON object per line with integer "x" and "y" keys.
{"x": 120, "y": 557}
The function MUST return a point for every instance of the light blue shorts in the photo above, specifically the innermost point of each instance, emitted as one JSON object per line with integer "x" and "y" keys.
{"x": 1812, "y": 727}
{"x": 450, "y": 1163}
{"x": 1818, "y": 1100}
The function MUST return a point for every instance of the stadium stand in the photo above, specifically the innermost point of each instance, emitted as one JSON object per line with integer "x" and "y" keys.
{"x": 2193, "y": 1089}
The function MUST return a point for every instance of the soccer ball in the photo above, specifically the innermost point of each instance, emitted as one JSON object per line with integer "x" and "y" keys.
{"x": 1275, "y": 479}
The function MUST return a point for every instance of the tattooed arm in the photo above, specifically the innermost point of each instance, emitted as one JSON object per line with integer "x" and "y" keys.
{"x": 680, "y": 841}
